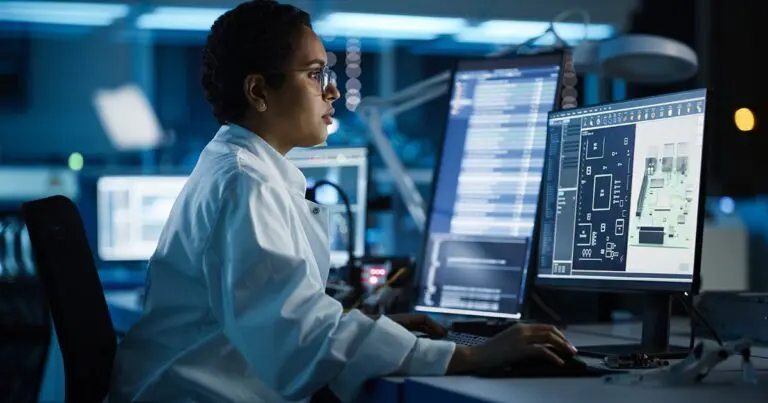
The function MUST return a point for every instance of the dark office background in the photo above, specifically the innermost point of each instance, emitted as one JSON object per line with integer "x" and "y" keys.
{"x": 48, "y": 76}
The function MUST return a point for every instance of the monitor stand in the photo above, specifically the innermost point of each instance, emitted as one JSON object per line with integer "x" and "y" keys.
{"x": 655, "y": 338}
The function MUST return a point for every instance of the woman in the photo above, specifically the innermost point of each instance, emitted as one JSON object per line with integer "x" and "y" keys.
{"x": 235, "y": 306}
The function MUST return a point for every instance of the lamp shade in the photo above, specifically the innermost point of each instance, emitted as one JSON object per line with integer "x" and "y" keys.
{"x": 647, "y": 59}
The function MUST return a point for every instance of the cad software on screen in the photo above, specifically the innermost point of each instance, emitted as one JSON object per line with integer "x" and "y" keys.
{"x": 623, "y": 189}
{"x": 487, "y": 190}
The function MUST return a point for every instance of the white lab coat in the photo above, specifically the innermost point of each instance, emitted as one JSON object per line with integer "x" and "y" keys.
{"x": 235, "y": 305}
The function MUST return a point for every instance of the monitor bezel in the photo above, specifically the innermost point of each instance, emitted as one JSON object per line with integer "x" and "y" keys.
{"x": 478, "y": 64}
{"x": 629, "y": 286}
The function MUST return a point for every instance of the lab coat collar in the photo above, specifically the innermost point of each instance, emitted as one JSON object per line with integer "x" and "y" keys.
{"x": 282, "y": 168}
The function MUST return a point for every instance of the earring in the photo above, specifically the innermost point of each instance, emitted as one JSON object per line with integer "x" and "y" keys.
{"x": 261, "y": 106}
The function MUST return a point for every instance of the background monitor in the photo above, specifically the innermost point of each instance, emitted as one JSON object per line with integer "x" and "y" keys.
{"x": 487, "y": 184}
{"x": 132, "y": 210}
{"x": 348, "y": 168}
{"x": 131, "y": 213}
{"x": 623, "y": 205}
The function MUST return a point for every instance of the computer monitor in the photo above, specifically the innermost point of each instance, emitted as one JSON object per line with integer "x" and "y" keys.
{"x": 131, "y": 214}
{"x": 624, "y": 203}
{"x": 346, "y": 167}
{"x": 132, "y": 210}
{"x": 486, "y": 189}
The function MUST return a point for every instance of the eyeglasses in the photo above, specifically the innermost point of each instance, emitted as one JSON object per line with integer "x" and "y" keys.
{"x": 326, "y": 77}
{"x": 323, "y": 75}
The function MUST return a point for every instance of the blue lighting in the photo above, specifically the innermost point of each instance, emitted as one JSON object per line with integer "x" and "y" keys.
{"x": 727, "y": 205}
{"x": 388, "y": 26}
{"x": 180, "y": 18}
{"x": 516, "y": 32}
{"x": 359, "y": 25}
{"x": 392, "y": 26}
{"x": 60, "y": 13}
{"x": 427, "y": 29}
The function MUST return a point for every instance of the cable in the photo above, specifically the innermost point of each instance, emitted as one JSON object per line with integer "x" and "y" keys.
{"x": 527, "y": 46}
{"x": 311, "y": 196}
{"x": 692, "y": 308}
{"x": 693, "y": 311}
{"x": 544, "y": 307}
{"x": 692, "y": 338}
{"x": 567, "y": 13}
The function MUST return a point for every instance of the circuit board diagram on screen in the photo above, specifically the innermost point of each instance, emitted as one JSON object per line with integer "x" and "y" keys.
{"x": 603, "y": 207}
{"x": 665, "y": 199}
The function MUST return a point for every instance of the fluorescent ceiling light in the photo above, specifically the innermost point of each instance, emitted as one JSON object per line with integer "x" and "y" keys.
{"x": 180, "y": 18}
{"x": 515, "y": 32}
{"x": 388, "y": 26}
{"x": 328, "y": 30}
{"x": 93, "y": 14}
{"x": 128, "y": 118}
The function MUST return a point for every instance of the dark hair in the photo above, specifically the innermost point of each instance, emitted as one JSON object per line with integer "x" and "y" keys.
{"x": 254, "y": 37}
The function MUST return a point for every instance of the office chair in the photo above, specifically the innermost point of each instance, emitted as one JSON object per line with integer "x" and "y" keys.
{"x": 25, "y": 338}
{"x": 75, "y": 297}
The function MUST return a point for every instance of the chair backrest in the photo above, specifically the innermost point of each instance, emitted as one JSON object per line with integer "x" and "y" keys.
{"x": 25, "y": 337}
{"x": 67, "y": 271}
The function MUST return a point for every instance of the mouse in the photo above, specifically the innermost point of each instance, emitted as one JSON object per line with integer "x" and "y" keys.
{"x": 540, "y": 367}
{"x": 570, "y": 363}
{"x": 571, "y": 360}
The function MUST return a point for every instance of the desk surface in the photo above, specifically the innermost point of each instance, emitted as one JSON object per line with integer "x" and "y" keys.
{"x": 723, "y": 384}
{"x": 719, "y": 387}
{"x": 625, "y": 333}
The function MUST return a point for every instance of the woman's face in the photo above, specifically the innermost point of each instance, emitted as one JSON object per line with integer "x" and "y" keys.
{"x": 299, "y": 113}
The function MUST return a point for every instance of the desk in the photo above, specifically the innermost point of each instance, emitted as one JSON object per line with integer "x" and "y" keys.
{"x": 721, "y": 385}
{"x": 624, "y": 333}
{"x": 384, "y": 390}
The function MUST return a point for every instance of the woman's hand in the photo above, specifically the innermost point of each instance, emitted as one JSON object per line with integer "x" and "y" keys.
{"x": 514, "y": 344}
{"x": 420, "y": 323}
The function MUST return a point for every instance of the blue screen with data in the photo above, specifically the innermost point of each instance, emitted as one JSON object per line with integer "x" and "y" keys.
{"x": 488, "y": 181}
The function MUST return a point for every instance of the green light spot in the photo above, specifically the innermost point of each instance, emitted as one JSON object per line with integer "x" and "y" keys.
{"x": 75, "y": 161}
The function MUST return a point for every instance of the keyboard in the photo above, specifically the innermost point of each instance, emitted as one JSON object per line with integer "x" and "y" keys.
{"x": 465, "y": 339}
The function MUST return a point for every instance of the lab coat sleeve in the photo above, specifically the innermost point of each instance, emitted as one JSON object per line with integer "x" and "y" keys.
{"x": 428, "y": 358}
{"x": 274, "y": 309}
